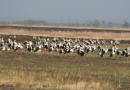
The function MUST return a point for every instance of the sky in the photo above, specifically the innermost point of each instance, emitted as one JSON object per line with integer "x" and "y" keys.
{"x": 65, "y": 10}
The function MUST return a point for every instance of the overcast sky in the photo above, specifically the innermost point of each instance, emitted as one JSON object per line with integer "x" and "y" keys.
{"x": 65, "y": 10}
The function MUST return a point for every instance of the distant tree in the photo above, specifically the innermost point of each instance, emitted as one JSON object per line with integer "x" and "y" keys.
{"x": 103, "y": 23}
{"x": 126, "y": 24}
{"x": 110, "y": 24}
{"x": 90, "y": 24}
{"x": 96, "y": 23}
{"x": 34, "y": 22}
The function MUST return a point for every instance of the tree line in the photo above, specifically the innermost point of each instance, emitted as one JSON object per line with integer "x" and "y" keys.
{"x": 95, "y": 23}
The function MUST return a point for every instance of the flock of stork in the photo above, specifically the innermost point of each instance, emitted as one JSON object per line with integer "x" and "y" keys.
{"x": 65, "y": 45}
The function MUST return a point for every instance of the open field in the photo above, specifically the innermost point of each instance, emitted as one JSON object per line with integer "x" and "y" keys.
{"x": 69, "y": 32}
{"x": 53, "y": 71}
{"x": 24, "y": 70}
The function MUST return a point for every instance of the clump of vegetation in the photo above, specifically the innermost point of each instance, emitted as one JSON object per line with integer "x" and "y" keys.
{"x": 34, "y": 22}
{"x": 126, "y": 24}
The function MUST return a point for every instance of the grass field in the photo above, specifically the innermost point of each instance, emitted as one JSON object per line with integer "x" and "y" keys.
{"x": 24, "y": 70}
{"x": 67, "y": 34}
{"x": 53, "y": 71}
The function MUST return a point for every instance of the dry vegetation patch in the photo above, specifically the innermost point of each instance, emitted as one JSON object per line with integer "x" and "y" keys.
{"x": 68, "y": 34}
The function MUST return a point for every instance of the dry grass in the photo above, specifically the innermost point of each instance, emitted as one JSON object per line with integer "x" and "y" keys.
{"x": 77, "y": 27}
{"x": 29, "y": 82}
{"x": 92, "y": 85}
{"x": 65, "y": 72}
{"x": 68, "y": 72}
{"x": 68, "y": 34}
